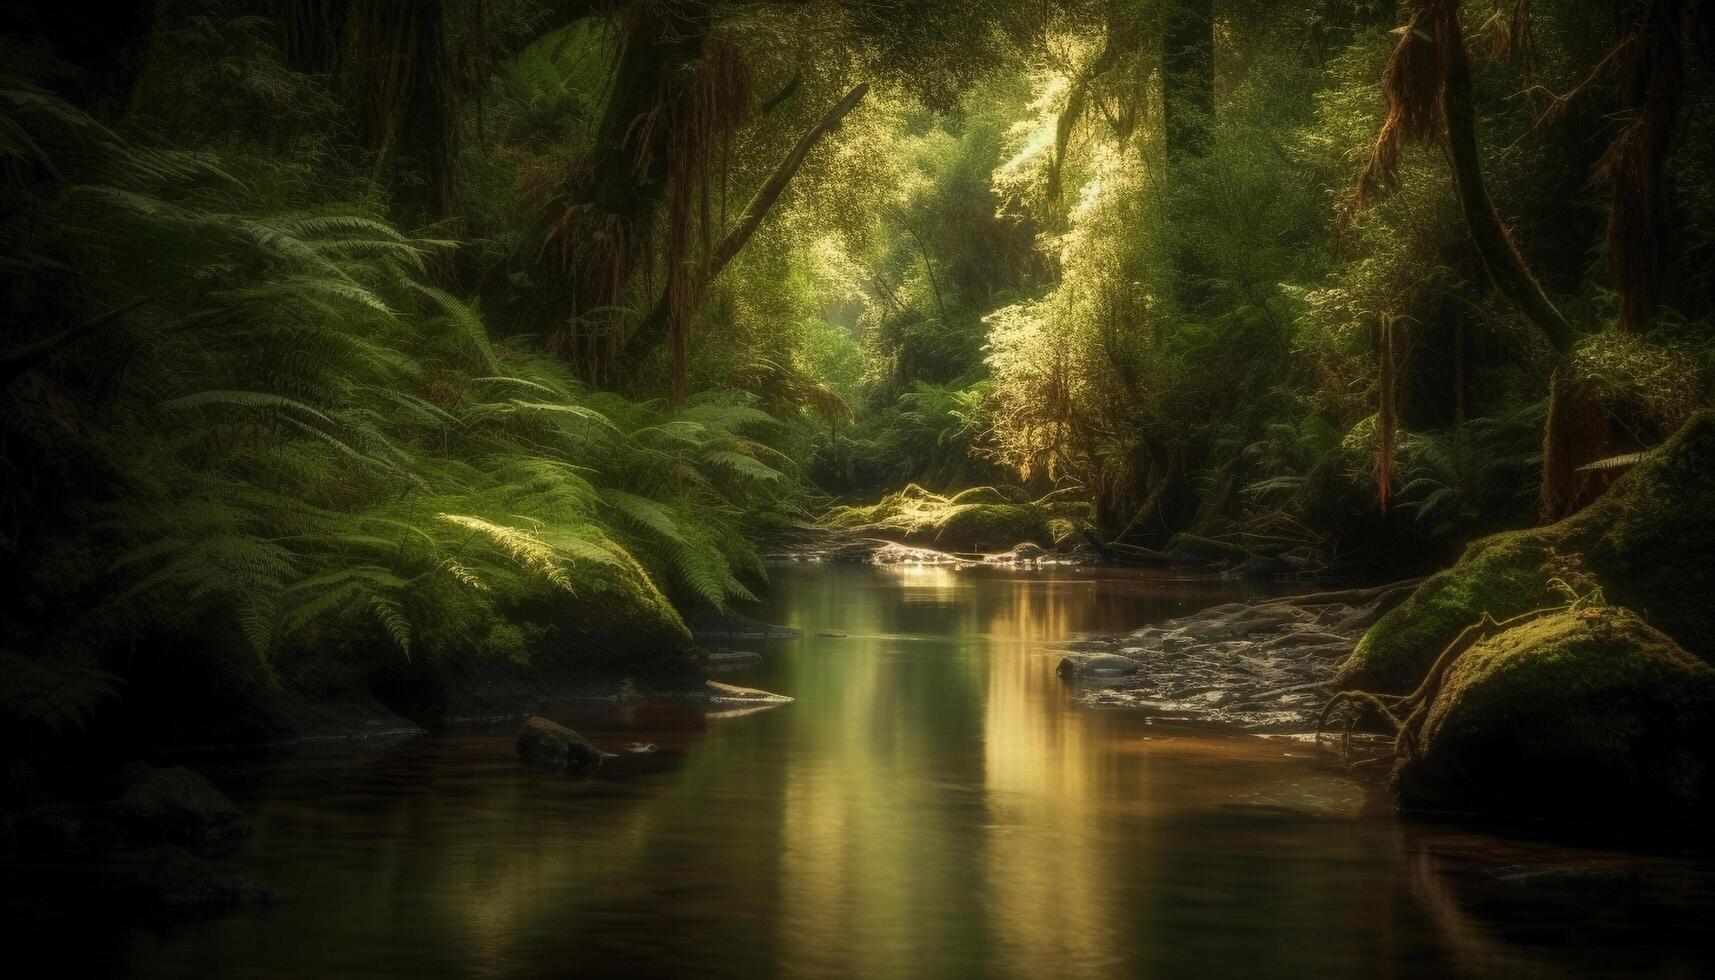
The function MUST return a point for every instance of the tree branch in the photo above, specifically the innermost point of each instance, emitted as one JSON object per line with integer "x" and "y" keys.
{"x": 653, "y": 328}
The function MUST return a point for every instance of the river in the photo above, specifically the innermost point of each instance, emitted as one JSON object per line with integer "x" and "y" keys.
{"x": 933, "y": 804}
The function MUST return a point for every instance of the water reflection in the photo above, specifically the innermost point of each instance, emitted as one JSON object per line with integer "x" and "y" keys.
{"x": 932, "y": 804}
{"x": 1048, "y": 870}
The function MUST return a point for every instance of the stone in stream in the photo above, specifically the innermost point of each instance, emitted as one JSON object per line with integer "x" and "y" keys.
{"x": 719, "y": 693}
{"x": 555, "y": 748}
{"x": 1024, "y": 554}
{"x": 174, "y": 804}
{"x": 736, "y": 702}
{"x": 1097, "y": 665}
{"x": 1248, "y": 665}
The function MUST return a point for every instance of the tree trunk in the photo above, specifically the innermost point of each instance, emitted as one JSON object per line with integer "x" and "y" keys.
{"x": 1188, "y": 77}
{"x": 607, "y": 228}
{"x": 312, "y": 33}
{"x": 431, "y": 136}
{"x": 1640, "y": 235}
{"x": 1489, "y": 235}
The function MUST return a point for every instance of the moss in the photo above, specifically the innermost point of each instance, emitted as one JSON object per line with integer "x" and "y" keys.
{"x": 1646, "y": 542}
{"x": 994, "y": 527}
{"x": 1586, "y": 713}
{"x": 1504, "y": 579}
{"x": 979, "y": 519}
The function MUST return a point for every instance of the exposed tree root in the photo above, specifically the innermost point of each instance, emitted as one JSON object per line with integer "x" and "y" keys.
{"x": 1407, "y": 713}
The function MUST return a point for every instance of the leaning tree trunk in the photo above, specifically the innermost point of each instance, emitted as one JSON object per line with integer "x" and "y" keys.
{"x": 1489, "y": 234}
{"x": 1430, "y": 96}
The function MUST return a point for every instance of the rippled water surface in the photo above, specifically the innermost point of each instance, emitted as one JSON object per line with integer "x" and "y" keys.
{"x": 933, "y": 804}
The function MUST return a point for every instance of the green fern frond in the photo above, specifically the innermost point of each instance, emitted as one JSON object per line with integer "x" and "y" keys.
{"x": 644, "y": 513}
{"x": 741, "y": 465}
{"x": 393, "y": 619}
{"x": 523, "y": 547}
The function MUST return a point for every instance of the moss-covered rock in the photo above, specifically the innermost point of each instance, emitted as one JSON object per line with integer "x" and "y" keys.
{"x": 1647, "y": 542}
{"x": 1588, "y": 713}
{"x": 994, "y": 527}
{"x": 980, "y": 519}
{"x": 1504, "y": 578}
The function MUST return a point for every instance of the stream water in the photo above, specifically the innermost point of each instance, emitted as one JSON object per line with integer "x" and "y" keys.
{"x": 933, "y": 804}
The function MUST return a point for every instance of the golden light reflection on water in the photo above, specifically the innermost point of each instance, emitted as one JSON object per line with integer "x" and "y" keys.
{"x": 1047, "y": 871}
{"x": 942, "y": 580}
{"x": 859, "y": 837}
{"x": 866, "y": 851}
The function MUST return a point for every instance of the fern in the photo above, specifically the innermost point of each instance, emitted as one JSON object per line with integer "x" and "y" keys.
{"x": 312, "y": 441}
{"x": 392, "y": 618}
{"x": 741, "y": 465}
{"x": 523, "y": 547}
{"x": 644, "y": 513}
{"x": 54, "y": 696}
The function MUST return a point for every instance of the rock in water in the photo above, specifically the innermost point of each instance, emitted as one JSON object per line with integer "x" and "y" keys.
{"x": 1588, "y": 713}
{"x": 171, "y": 880}
{"x": 1097, "y": 665}
{"x": 556, "y": 748}
{"x": 174, "y": 804}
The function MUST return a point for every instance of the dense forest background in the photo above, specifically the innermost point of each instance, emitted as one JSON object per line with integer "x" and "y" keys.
{"x": 421, "y": 332}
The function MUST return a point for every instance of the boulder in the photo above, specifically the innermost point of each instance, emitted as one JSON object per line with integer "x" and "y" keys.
{"x": 174, "y": 804}
{"x": 1586, "y": 714}
{"x": 1646, "y": 542}
{"x": 982, "y": 519}
{"x": 555, "y": 748}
